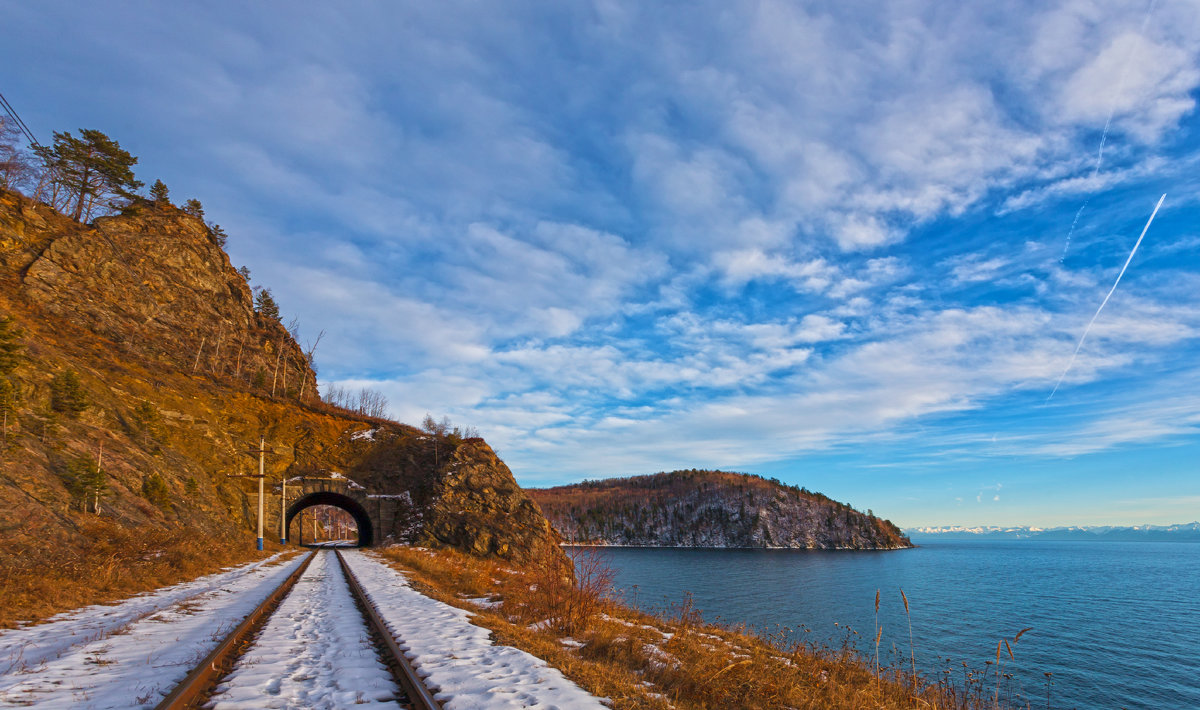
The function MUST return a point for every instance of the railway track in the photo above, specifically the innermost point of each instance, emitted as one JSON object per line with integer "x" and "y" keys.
{"x": 239, "y": 671}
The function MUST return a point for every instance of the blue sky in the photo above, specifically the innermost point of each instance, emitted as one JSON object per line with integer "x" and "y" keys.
{"x": 826, "y": 242}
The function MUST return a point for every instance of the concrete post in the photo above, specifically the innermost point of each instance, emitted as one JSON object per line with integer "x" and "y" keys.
{"x": 262, "y": 450}
{"x": 283, "y": 513}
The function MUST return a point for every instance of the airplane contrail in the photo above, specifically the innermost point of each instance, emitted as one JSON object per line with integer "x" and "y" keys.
{"x": 1112, "y": 109}
{"x": 1106, "y": 297}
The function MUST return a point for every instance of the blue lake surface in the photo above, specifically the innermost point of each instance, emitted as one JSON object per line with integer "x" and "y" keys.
{"x": 1116, "y": 623}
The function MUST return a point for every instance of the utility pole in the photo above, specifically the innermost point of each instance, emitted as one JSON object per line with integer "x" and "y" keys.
{"x": 283, "y": 514}
{"x": 262, "y": 452}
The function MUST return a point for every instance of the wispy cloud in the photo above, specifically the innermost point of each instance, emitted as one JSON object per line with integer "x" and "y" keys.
{"x": 627, "y": 236}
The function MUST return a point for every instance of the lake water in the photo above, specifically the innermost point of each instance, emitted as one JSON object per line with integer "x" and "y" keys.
{"x": 1117, "y": 624}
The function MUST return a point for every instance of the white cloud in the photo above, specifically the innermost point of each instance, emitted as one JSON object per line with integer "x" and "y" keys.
{"x": 857, "y": 232}
{"x": 741, "y": 267}
{"x": 1146, "y": 85}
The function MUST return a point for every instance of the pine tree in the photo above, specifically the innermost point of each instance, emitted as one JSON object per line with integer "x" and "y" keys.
{"x": 67, "y": 395}
{"x": 91, "y": 169}
{"x": 10, "y": 346}
{"x": 244, "y": 271}
{"x": 159, "y": 193}
{"x": 147, "y": 419}
{"x": 86, "y": 481}
{"x": 218, "y": 235}
{"x": 266, "y": 307}
{"x": 194, "y": 208}
{"x": 8, "y": 403}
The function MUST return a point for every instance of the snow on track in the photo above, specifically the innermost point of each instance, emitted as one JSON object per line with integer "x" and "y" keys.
{"x": 457, "y": 659}
{"x": 30, "y": 645}
{"x": 315, "y": 652}
{"x": 133, "y": 654}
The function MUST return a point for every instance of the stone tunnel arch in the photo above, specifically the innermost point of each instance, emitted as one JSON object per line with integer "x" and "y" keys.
{"x": 366, "y": 531}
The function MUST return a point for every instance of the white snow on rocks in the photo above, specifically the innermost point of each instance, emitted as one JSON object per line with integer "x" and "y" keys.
{"x": 133, "y": 653}
{"x": 315, "y": 652}
{"x": 457, "y": 659}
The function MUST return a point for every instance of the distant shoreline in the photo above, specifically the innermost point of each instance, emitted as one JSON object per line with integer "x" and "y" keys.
{"x": 731, "y": 547}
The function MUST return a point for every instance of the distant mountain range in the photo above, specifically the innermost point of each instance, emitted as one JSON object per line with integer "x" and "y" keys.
{"x": 1185, "y": 532}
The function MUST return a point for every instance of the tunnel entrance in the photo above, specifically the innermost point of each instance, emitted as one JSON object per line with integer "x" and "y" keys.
{"x": 366, "y": 532}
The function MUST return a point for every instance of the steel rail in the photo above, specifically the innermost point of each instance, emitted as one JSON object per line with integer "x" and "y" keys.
{"x": 207, "y": 672}
{"x": 418, "y": 693}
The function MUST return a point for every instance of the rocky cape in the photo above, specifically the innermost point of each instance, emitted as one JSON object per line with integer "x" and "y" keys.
{"x": 710, "y": 509}
{"x": 181, "y": 376}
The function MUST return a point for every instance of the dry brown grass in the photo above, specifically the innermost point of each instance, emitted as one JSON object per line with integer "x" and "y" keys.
{"x": 106, "y": 563}
{"x": 672, "y": 660}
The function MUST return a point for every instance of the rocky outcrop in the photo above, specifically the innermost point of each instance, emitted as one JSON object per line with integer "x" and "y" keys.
{"x": 711, "y": 509}
{"x": 478, "y": 506}
{"x": 177, "y": 370}
{"x": 155, "y": 284}
{"x": 456, "y": 492}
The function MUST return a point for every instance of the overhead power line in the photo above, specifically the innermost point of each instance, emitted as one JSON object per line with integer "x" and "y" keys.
{"x": 17, "y": 120}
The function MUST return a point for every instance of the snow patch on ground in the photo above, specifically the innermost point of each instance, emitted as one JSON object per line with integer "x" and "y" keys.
{"x": 29, "y": 646}
{"x": 457, "y": 659}
{"x": 364, "y": 435}
{"x": 484, "y": 602}
{"x": 659, "y": 658}
{"x": 134, "y": 663}
{"x": 315, "y": 652}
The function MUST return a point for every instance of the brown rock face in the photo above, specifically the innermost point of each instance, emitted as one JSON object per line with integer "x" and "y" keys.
{"x": 155, "y": 285}
{"x": 459, "y": 495}
{"x": 161, "y": 330}
{"x": 479, "y": 507}
{"x": 711, "y": 509}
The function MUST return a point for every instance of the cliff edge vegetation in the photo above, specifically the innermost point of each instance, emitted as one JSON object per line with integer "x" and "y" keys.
{"x": 711, "y": 509}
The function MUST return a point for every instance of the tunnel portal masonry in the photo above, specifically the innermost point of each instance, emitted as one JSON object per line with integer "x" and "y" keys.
{"x": 374, "y": 515}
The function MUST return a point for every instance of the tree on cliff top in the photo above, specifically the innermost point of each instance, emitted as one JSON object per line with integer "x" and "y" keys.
{"x": 159, "y": 193}
{"x": 194, "y": 208}
{"x": 266, "y": 307}
{"x": 89, "y": 170}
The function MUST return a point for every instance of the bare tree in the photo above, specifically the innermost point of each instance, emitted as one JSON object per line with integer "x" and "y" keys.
{"x": 366, "y": 401}
{"x": 311, "y": 361}
{"x": 372, "y": 403}
{"x": 16, "y": 164}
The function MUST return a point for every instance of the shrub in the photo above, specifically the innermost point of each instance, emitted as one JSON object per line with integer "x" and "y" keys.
{"x": 569, "y": 602}
{"x": 155, "y": 490}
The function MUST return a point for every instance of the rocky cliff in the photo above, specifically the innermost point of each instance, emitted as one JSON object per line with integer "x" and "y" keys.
{"x": 177, "y": 376}
{"x": 710, "y": 509}
{"x": 156, "y": 286}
